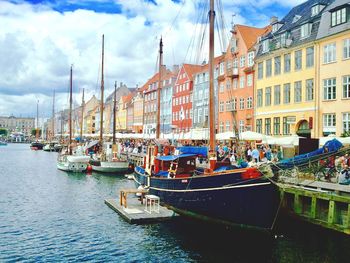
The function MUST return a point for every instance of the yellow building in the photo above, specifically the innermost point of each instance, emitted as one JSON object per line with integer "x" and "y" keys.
{"x": 286, "y": 65}
{"x": 121, "y": 114}
{"x": 333, "y": 39}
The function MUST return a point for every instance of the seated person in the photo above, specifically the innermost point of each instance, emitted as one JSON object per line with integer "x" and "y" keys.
{"x": 344, "y": 177}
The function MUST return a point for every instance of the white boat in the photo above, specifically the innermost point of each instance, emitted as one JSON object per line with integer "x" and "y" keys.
{"x": 71, "y": 163}
{"x": 108, "y": 162}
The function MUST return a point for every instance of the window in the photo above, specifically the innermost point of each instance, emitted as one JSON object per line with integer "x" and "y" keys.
{"x": 346, "y": 122}
{"x": 339, "y": 17}
{"x": 329, "y": 89}
{"x": 316, "y": 9}
{"x": 309, "y": 89}
{"x": 241, "y": 126}
{"x": 241, "y": 103}
{"x": 346, "y": 87}
{"x": 329, "y": 123}
{"x": 265, "y": 46}
{"x": 268, "y": 96}
{"x": 222, "y": 68}
{"x": 228, "y": 126}
{"x": 250, "y": 80}
{"x": 242, "y": 61}
{"x": 277, "y": 65}
{"x": 221, "y": 87}
{"x": 259, "y": 97}
{"x": 235, "y": 63}
{"x": 195, "y": 116}
{"x": 297, "y": 91}
{"x": 234, "y": 106}
{"x": 228, "y": 84}
{"x": 309, "y": 57}
{"x": 286, "y": 126}
{"x": 268, "y": 68}
{"x": 228, "y": 105}
{"x": 277, "y": 95}
{"x": 286, "y": 93}
{"x": 222, "y": 107}
{"x": 298, "y": 59}
{"x": 259, "y": 125}
{"x": 305, "y": 30}
{"x": 260, "y": 70}
{"x": 241, "y": 81}
{"x": 276, "y": 125}
{"x": 251, "y": 59}
{"x": 249, "y": 102}
{"x": 221, "y": 126}
{"x": 329, "y": 53}
{"x": 268, "y": 126}
{"x": 286, "y": 63}
{"x": 235, "y": 83}
{"x": 200, "y": 119}
{"x": 346, "y": 48}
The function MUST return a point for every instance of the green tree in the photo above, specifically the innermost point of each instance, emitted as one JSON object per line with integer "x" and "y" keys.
{"x": 3, "y": 132}
{"x": 33, "y": 132}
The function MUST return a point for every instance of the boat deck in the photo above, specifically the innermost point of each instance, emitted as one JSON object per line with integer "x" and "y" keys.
{"x": 135, "y": 212}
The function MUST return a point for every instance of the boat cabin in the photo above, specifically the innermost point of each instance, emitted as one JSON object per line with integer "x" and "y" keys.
{"x": 175, "y": 166}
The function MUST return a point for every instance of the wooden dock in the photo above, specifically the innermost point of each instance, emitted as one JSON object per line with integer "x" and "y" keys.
{"x": 135, "y": 212}
{"x": 321, "y": 203}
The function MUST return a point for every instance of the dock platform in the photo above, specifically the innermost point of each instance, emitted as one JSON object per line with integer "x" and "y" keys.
{"x": 135, "y": 213}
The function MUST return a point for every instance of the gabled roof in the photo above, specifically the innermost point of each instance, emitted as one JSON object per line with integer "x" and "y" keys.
{"x": 191, "y": 69}
{"x": 250, "y": 34}
{"x": 155, "y": 78}
{"x": 217, "y": 60}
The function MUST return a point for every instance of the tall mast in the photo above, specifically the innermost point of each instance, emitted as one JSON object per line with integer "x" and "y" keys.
{"x": 70, "y": 109}
{"x": 37, "y": 121}
{"x": 212, "y": 152}
{"x": 82, "y": 117}
{"x": 114, "y": 110}
{"x": 159, "y": 87}
{"x": 102, "y": 89}
{"x": 53, "y": 114}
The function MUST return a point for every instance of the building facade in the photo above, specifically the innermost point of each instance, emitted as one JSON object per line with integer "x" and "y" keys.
{"x": 333, "y": 40}
{"x": 286, "y": 90}
{"x": 17, "y": 124}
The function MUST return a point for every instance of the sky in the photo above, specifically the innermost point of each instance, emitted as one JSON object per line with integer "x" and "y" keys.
{"x": 41, "y": 39}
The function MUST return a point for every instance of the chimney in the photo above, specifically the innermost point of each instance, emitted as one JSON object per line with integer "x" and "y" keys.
{"x": 273, "y": 20}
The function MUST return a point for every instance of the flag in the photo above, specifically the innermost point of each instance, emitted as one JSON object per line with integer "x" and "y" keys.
{"x": 182, "y": 114}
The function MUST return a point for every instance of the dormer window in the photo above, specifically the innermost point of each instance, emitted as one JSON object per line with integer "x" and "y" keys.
{"x": 339, "y": 16}
{"x": 276, "y": 26}
{"x": 233, "y": 45}
{"x": 296, "y": 18}
{"x": 265, "y": 46}
{"x": 316, "y": 9}
{"x": 305, "y": 30}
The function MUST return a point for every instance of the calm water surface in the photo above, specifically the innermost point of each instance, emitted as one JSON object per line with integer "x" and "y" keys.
{"x": 47, "y": 215}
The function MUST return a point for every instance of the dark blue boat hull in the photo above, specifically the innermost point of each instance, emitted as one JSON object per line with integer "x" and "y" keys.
{"x": 223, "y": 198}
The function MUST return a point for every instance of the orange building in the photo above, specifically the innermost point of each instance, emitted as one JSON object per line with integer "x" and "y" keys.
{"x": 236, "y": 80}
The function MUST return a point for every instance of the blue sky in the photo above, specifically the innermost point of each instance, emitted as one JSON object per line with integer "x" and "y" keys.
{"x": 40, "y": 39}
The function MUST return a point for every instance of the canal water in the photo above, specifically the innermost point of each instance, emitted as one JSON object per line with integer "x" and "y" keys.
{"x": 47, "y": 215}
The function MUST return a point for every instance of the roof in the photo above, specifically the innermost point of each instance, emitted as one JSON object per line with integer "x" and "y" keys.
{"x": 191, "y": 69}
{"x": 250, "y": 34}
{"x": 155, "y": 78}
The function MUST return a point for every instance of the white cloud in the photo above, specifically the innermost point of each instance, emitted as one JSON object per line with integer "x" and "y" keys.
{"x": 38, "y": 45}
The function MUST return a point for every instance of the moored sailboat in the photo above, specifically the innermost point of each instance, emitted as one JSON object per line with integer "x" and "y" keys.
{"x": 220, "y": 193}
{"x": 108, "y": 161}
{"x": 66, "y": 161}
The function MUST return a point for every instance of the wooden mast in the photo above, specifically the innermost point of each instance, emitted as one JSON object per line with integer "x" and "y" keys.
{"x": 102, "y": 91}
{"x": 37, "y": 122}
{"x": 114, "y": 111}
{"x": 53, "y": 115}
{"x": 159, "y": 87}
{"x": 82, "y": 117}
{"x": 212, "y": 151}
{"x": 70, "y": 110}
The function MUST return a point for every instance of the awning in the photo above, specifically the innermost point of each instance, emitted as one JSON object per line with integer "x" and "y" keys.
{"x": 174, "y": 157}
{"x": 92, "y": 143}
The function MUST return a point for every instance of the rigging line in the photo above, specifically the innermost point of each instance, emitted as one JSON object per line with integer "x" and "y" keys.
{"x": 225, "y": 34}
{"x": 218, "y": 29}
{"x": 199, "y": 25}
{"x": 174, "y": 20}
{"x": 204, "y": 26}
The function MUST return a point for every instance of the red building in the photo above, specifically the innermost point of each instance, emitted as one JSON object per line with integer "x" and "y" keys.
{"x": 182, "y": 98}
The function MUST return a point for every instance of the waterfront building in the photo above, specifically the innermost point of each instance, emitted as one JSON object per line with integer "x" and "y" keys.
{"x": 166, "y": 98}
{"x": 89, "y": 123}
{"x": 121, "y": 114}
{"x": 236, "y": 80}
{"x": 129, "y": 112}
{"x": 333, "y": 100}
{"x": 138, "y": 111}
{"x": 200, "y": 98}
{"x": 286, "y": 90}
{"x": 182, "y": 98}
{"x": 17, "y": 124}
